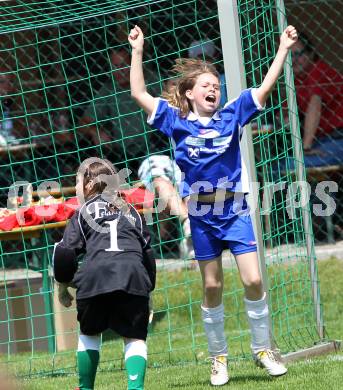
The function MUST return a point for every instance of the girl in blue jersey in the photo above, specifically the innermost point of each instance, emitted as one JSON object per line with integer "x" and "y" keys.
{"x": 207, "y": 150}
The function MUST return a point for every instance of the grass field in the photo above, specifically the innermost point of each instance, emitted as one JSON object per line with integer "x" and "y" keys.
{"x": 318, "y": 373}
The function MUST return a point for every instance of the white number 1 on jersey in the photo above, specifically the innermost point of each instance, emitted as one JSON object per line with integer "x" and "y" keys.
{"x": 114, "y": 236}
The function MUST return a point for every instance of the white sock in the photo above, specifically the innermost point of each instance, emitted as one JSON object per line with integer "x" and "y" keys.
{"x": 257, "y": 312}
{"x": 213, "y": 318}
{"x": 136, "y": 348}
{"x": 89, "y": 342}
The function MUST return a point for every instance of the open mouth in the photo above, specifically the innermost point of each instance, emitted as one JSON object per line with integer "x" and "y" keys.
{"x": 210, "y": 98}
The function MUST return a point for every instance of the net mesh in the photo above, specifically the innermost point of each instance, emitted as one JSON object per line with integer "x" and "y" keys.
{"x": 65, "y": 97}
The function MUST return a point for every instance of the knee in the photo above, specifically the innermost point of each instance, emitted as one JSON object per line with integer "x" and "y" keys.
{"x": 163, "y": 185}
{"x": 254, "y": 284}
{"x": 213, "y": 288}
{"x": 159, "y": 180}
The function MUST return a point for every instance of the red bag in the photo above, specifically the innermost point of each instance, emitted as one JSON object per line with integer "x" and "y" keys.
{"x": 9, "y": 222}
{"x": 139, "y": 198}
{"x": 30, "y": 217}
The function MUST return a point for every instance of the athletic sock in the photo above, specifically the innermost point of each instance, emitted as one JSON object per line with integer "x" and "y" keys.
{"x": 135, "y": 363}
{"x": 213, "y": 319}
{"x": 88, "y": 359}
{"x": 257, "y": 312}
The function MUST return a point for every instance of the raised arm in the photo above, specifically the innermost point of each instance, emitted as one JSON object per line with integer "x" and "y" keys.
{"x": 137, "y": 82}
{"x": 287, "y": 40}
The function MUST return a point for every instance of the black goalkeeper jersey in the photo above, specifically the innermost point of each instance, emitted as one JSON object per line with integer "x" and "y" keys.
{"x": 116, "y": 249}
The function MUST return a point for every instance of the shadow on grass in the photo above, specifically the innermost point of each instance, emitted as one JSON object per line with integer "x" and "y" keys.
{"x": 235, "y": 379}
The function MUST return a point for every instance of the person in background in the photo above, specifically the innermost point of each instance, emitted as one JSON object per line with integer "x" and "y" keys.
{"x": 319, "y": 92}
{"x": 113, "y": 121}
{"x": 206, "y": 50}
{"x": 161, "y": 174}
{"x": 12, "y": 132}
{"x": 7, "y": 89}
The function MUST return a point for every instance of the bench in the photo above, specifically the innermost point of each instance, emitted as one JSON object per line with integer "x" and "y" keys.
{"x": 318, "y": 174}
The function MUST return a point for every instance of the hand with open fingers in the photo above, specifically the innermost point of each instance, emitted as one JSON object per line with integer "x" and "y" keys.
{"x": 136, "y": 38}
{"x": 289, "y": 37}
{"x": 64, "y": 295}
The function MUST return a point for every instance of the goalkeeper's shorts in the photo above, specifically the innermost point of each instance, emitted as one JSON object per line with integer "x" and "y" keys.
{"x": 125, "y": 314}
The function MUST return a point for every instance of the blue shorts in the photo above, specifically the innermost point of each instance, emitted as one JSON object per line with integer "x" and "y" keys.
{"x": 223, "y": 226}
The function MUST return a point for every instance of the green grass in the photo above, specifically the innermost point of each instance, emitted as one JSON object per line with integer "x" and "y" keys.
{"x": 319, "y": 374}
{"x": 176, "y": 368}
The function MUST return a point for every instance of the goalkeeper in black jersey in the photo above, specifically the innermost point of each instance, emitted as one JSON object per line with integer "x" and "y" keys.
{"x": 116, "y": 275}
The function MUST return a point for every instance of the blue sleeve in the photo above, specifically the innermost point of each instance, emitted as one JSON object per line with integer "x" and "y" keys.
{"x": 163, "y": 117}
{"x": 245, "y": 107}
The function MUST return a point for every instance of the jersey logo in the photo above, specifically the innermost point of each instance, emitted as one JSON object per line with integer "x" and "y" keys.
{"x": 208, "y": 133}
{"x": 193, "y": 152}
{"x": 133, "y": 377}
{"x": 195, "y": 141}
{"x": 222, "y": 141}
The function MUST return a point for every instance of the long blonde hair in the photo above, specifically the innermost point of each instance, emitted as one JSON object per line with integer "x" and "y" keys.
{"x": 186, "y": 71}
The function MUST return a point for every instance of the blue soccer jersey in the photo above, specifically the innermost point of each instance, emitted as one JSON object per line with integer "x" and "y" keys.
{"x": 209, "y": 154}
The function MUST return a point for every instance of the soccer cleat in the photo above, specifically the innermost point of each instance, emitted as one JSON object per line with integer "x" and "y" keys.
{"x": 219, "y": 372}
{"x": 267, "y": 359}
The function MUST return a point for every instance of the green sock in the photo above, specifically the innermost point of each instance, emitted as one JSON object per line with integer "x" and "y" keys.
{"x": 88, "y": 363}
{"x": 135, "y": 367}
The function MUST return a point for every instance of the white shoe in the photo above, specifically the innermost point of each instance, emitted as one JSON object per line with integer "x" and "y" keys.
{"x": 267, "y": 359}
{"x": 219, "y": 372}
